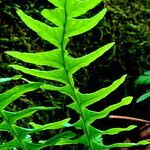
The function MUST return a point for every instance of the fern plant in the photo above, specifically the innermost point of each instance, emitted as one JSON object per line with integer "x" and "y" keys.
{"x": 62, "y": 67}
{"x": 143, "y": 80}
{"x": 22, "y": 136}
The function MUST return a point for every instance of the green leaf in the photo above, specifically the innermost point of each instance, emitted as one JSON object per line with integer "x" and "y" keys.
{"x": 91, "y": 116}
{"x": 77, "y": 7}
{"x": 5, "y": 80}
{"x": 143, "y": 97}
{"x": 4, "y": 127}
{"x": 57, "y": 3}
{"x": 79, "y": 26}
{"x": 59, "y": 139}
{"x": 143, "y": 79}
{"x": 143, "y": 142}
{"x": 50, "y": 126}
{"x": 74, "y": 64}
{"x": 12, "y": 117}
{"x": 55, "y": 75}
{"x": 82, "y": 140}
{"x": 64, "y": 141}
{"x": 50, "y": 34}
{"x": 50, "y": 58}
{"x": 113, "y": 131}
{"x": 64, "y": 89}
{"x": 55, "y": 16}
{"x": 11, "y": 144}
{"x": 14, "y": 93}
{"x": 98, "y": 145}
{"x": 54, "y": 88}
{"x": 23, "y": 132}
{"x": 147, "y": 73}
{"x": 34, "y": 146}
{"x": 88, "y": 99}
{"x": 16, "y": 77}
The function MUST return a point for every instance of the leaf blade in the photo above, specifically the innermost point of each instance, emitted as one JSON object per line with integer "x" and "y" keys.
{"x": 90, "y": 98}
{"x": 74, "y": 64}
{"x": 12, "y": 117}
{"x": 9, "y": 96}
{"x": 79, "y": 26}
{"x": 50, "y": 34}
{"x": 50, "y": 126}
{"x": 113, "y": 131}
{"x": 143, "y": 97}
{"x": 77, "y": 7}
{"x": 91, "y": 116}
{"x": 51, "y": 58}
{"x": 55, "y": 75}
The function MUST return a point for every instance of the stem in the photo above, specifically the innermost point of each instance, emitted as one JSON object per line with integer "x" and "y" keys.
{"x": 69, "y": 80}
{"x": 129, "y": 118}
{"x": 13, "y": 131}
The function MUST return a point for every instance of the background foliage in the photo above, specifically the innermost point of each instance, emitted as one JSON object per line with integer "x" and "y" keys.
{"x": 127, "y": 23}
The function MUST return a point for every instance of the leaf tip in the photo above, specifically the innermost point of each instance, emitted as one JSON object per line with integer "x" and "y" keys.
{"x": 128, "y": 99}
{"x": 105, "y": 10}
{"x": 113, "y": 43}
{"x": 132, "y": 127}
{"x": 18, "y": 10}
{"x": 12, "y": 66}
{"x": 7, "y": 52}
{"x": 124, "y": 76}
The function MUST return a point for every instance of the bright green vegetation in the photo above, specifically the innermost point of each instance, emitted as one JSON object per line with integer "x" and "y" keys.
{"x": 62, "y": 68}
{"x": 143, "y": 80}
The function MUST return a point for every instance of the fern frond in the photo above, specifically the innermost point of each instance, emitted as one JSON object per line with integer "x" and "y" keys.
{"x": 19, "y": 133}
{"x": 66, "y": 24}
{"x": 143, "y": 79}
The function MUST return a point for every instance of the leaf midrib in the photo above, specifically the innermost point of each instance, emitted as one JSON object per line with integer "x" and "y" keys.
{"x": 68, "y": 79}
